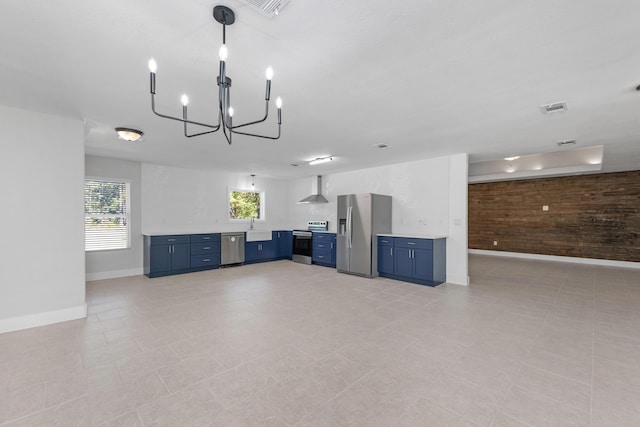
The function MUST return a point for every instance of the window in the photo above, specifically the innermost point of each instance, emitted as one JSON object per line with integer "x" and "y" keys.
{"x": 106, "y": 214}
{"x": 246, "y": 204}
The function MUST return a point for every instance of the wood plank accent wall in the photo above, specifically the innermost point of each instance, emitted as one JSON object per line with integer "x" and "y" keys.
{"x": 589, "y": 216}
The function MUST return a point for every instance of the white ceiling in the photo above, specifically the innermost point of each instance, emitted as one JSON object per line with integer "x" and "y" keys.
{"x": 426, "y": 77}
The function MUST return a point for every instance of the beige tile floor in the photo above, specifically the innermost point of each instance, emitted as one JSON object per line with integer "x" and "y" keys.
{"x": 529, "y": 343}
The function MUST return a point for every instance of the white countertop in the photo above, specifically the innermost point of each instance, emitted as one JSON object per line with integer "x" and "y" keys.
{"x": 415, "y": 236}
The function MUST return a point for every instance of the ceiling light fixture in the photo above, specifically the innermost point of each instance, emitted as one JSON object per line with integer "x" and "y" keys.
{"x": 320, "y": 160}
{"x": 510, "y": 159}
{"x": 224, "y": 16}
{"x": 130, "y": 135}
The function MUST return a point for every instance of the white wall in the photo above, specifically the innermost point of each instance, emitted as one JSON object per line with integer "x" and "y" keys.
{"x": 177, "y": 200}
{"x": 122, "y": 262}
{"x": 428, "y": 197}
{"x": 42, "y": 262}
{"x": 458, "y": 241}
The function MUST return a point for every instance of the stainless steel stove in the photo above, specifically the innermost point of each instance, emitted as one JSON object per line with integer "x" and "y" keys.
{"x": 302, "y": 245}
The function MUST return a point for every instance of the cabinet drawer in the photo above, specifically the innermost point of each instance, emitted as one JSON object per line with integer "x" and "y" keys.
{"x": 205, "y": 260}
{"x": 385, "y": 241}
{"x": 169, "y": 239}
{"x": 205, "y": 248}
{"x": 327, "y": 237}
{"x": 323, "y": 245}
{"x": 403, "y": 242}
{"x": 204, "y": 238}
{"x": 321, "y": 255}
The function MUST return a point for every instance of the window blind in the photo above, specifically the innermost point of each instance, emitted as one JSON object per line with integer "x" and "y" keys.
{"x": 106, "y": 214}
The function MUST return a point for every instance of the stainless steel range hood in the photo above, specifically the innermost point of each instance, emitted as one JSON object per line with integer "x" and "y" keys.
{"x": 316, "y": 192}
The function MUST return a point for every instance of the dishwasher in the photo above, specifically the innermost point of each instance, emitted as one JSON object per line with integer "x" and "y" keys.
{"x": 232, "y": 248}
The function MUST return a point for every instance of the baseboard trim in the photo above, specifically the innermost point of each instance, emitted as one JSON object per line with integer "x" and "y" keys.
{"x": 574, "y": 260}
{"x": 42, "y": 319}
{"x": 458, "y": 280}
{"x": 114, "y": 274}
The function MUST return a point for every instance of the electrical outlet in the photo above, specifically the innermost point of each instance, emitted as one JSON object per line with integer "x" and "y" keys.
{"x": 495, "y": 243}
{"x": 545, "y": 208}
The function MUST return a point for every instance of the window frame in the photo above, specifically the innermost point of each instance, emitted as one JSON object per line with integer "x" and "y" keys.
{"x": 127, "y": 216}
{"x": 246, "y": 220}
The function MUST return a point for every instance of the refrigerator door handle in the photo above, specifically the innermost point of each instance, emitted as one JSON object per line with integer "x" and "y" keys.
{"x": 349, "y": 224}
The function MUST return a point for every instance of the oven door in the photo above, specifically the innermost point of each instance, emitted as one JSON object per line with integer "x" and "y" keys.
{"x": 302, "y": 247}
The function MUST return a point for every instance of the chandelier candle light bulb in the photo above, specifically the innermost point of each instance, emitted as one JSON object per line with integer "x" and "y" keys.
{"x": 279, "y": 105}
{"x": 269, "y": 74}
{"x": 224, "y": 16}
{"x": 153, "y": 67}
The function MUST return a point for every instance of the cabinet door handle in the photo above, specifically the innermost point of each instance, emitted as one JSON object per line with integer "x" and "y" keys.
{"x": 384, "y": 241}
{"x": 207, "y": 247}
{"x": 171, "y": 240}
{"x": 206, "y": 260}
{"x": 391, "y": 251}
{"x": 410, "y": 243}
{"x": 206, "y": 238}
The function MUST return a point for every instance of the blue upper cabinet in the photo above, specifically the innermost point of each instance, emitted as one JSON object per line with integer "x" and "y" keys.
{"x": 421, "y": 261}
{"x": 323, "y": 250}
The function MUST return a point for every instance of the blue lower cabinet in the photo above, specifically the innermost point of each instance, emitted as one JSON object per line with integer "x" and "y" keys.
{"x": 284, "y": 244}
{"x": 165, "y": 255}
{"x": 174, "y": 254}
{"x": 385, "y": 255}
{"x": 205, "y": 251}
{"x": 421, "y": 261}
{"x": 323, "y": 249}
{"x": 260, "y": 251}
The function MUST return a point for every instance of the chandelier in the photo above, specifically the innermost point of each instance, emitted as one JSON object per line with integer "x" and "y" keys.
{"x": 224, "y": 16}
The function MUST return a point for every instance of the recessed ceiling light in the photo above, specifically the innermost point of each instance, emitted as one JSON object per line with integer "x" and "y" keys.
{"x": 509, "y": 159}
{"x": 128, "y": 134}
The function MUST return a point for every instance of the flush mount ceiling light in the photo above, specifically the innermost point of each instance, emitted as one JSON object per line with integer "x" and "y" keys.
{"x": 224, "y": 16}
{"x": 556, "y": 107}
{"x": 320, "y": 160}
{"x": 510, "y": 159}
{"x": 130, "y": 135}
{"x": 566, "y": 142}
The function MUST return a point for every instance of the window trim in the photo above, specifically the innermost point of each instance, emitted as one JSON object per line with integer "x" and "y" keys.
{"x": 127, "y": 207}
{"x": 247, "y": 220}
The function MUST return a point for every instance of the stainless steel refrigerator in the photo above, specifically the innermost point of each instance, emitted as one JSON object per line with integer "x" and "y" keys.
{"x": 360, "y": 218}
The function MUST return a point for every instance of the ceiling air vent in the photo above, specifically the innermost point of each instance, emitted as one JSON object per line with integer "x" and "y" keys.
{"x": 554, "y": 108}
{"x": 268, "y": 7}
{"x": 567, "y": 142}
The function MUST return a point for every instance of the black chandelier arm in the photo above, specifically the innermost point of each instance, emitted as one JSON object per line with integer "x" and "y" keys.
{"x": 164, "y": 116}
{"x": 266, "y": 114}
{"x": 224, "y": 119}
{"x": 256, "y": 135}
{"x": 197, "y": 134}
